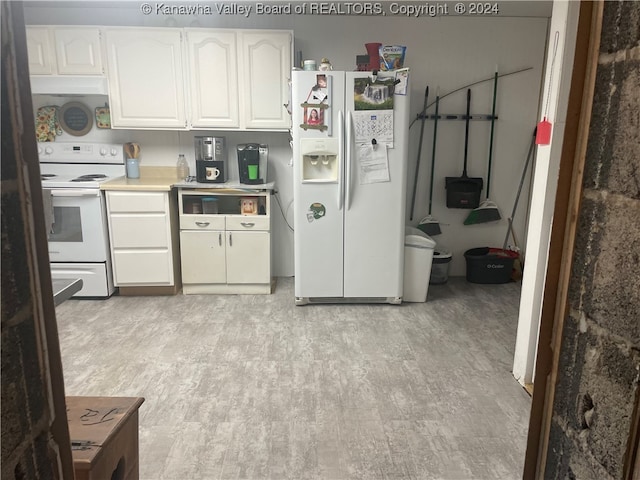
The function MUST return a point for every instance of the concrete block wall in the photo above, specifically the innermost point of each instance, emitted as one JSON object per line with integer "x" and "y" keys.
{"x": 25, "y": 411}
{"x": 598, "y": 384}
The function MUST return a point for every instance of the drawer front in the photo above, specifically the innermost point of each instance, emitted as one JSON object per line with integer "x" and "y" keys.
{"x": 248, "y": 222}
{"x": 144, "y": 202}
{"x": 139, "y": 231}
{"x": 142, "y": 267}
{"x": 202, "y": 222}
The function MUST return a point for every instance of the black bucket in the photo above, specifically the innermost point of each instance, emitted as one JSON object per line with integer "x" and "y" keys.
{"x": 489, "y": 265}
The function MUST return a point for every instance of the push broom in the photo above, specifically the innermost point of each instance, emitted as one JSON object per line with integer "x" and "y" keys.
{"x": 428, "y": 224}
{"x": 487, "y": 211}
{"x": 510, "y": 229}
{"x": 415, "y": 178}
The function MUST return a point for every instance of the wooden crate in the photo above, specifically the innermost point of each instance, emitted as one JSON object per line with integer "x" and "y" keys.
{"x": 104, "y": 437}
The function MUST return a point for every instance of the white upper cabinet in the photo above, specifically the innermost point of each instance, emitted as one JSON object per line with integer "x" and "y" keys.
{"x": 78, "y": 51}
{"x": 145, "y": 70}
{"x": 64, "y": 51}
{"x": 266, "y": 56}
{"x": 173, "y": 78}
{"x": 213, "y": 78}
{"x": 40, "y": 51}
{"x": 239, "y": 78}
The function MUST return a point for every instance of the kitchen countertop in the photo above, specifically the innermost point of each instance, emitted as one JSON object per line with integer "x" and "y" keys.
{"x": 152, "y": 179}
{"x": 63, "y": 289}
{"x": 164, "y": 179}
{"x": 230, "y": 185}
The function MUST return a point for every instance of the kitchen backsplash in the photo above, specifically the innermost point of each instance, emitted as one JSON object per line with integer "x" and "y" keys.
{"x": 161, "y": 147}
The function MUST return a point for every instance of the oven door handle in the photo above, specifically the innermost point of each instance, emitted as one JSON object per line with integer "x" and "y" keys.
{"x": 62, "y": 192}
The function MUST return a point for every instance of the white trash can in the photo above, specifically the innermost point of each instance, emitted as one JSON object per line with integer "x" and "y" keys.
{"x": 418, "y": 257}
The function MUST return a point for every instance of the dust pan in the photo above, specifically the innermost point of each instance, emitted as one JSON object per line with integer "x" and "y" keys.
{"x": 487, "y": 211}
{"x": 430, "y": 226}
{"x": 464, "y": 191}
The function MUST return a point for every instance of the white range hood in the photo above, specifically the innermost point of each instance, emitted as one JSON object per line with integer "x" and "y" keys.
{"x": 68, "y": 85}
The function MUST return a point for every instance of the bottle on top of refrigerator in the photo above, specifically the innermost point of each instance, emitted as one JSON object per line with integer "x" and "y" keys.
{"x": 182, "y": 167}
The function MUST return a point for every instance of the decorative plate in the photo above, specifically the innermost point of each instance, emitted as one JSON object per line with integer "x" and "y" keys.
{"x": 76, "y": 118}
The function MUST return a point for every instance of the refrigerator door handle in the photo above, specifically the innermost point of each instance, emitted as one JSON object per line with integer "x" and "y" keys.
{"x": 349, "y": 151}
{"x": 341, "y": 159}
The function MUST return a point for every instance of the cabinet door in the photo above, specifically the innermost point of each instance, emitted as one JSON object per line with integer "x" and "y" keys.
{"x": 142, "y": 267}
{"x": 131, "y": 230}
{"x": 40, "y": 51}
{"x": 203, "y": 257}
{"x": 213, "y": 78}
{"x": 266, "y": 70}
{"x": 248, "y": 257}
{"x": 137, "y": 202}
{"x": 78, "y": 51}
{"x": 146, "y": 77}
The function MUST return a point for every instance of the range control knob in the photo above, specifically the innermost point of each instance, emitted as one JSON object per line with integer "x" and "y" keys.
{"x": 39, "y": 150}
{"x": 103, "y": 151}
{"x": 48, "y": 150}
{"x": 114, "y": 152}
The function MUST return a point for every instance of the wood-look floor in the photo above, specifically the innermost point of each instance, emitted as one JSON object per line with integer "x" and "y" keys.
{"x": 253, "y": 387}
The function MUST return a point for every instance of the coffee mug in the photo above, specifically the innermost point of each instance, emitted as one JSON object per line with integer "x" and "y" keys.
{"x": 212, "y": 173}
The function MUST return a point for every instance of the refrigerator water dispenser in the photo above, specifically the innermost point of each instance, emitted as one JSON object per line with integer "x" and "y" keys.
{"x": 320, "y": 157}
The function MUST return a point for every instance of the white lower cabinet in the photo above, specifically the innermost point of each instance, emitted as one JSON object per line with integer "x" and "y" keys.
{"x": 203, "y": 256}
{"x": 142, "y": 267}
{"x": 143, "y": 245}
{"x": 248, "y": 257}
{"x": 224, "y": 252}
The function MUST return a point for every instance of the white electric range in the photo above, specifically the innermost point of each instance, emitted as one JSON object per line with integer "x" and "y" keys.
{"x": 75, "y": 207}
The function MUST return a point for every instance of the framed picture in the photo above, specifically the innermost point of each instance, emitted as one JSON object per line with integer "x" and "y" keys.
{"x": 315, "y": 115}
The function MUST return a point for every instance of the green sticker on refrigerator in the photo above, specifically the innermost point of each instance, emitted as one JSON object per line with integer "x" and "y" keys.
{"x": 316, "y": 211}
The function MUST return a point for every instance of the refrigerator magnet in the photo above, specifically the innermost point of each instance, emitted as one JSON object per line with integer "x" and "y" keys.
{"x": 402, "y": 80}
{"x": 376, "y": 95}
{"x": 316, "y": 211}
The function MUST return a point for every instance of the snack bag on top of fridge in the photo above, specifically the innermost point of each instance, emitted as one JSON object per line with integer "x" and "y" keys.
{"x": 392, "y": 57}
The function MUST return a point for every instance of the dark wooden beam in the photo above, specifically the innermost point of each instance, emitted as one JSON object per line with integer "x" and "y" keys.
{"x": 563, "y": 233}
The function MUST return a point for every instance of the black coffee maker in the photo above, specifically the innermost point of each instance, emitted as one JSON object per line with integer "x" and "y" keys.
{"x": 252, "y": 163}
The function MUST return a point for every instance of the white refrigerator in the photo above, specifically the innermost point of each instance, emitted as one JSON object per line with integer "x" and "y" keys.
{"x": 350, "y": 136}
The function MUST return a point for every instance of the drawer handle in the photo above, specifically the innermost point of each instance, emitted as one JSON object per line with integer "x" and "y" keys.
{"x": 220, "y": 239}
{"x": 247, "y": 224}
{"x": 202, "y": 224}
